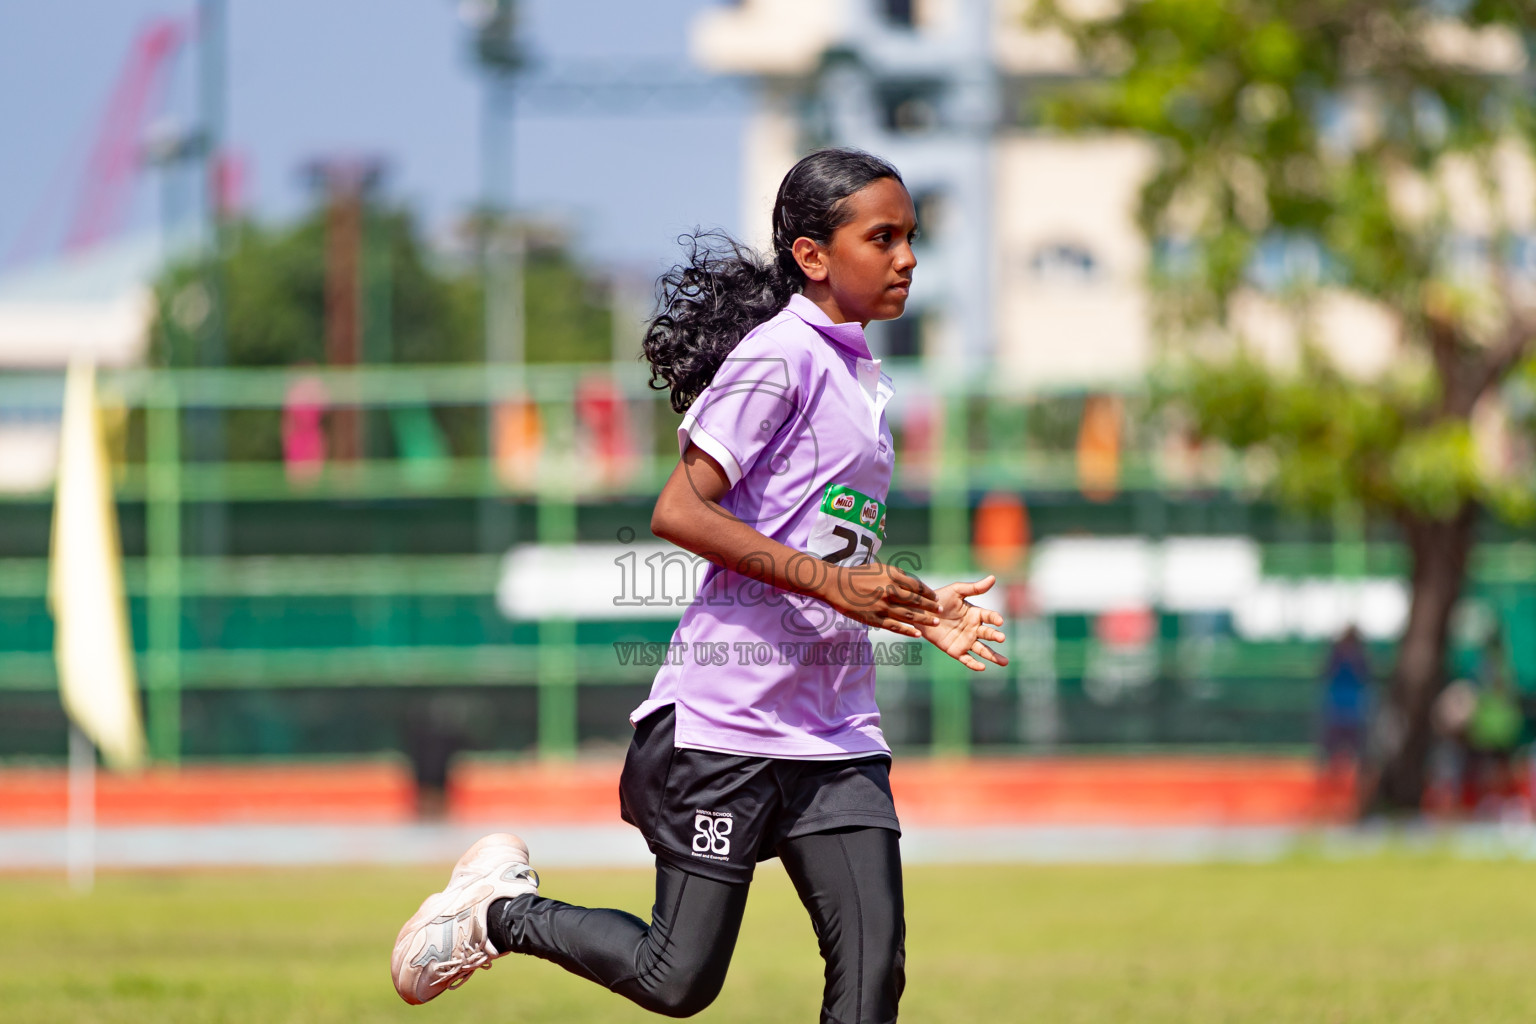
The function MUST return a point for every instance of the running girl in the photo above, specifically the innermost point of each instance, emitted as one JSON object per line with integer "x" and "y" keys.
{"x": 785, "y": 466}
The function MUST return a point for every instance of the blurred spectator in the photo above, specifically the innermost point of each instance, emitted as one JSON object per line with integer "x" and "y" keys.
{"x": 304, "y": 430}
{"x": 433, "y": 736}
{"x": 1493, "y": 734}
{"x": 1448, "y": 776}
{"x": 1346, "y": 699}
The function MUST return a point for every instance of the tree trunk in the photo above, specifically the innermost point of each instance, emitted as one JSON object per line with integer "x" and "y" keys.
{"x": 1395, "y": 775}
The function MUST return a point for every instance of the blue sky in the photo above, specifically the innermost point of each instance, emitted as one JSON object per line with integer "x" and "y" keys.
{"x": 386, "y": 77}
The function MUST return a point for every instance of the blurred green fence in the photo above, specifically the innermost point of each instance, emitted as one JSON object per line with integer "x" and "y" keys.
{"x": 289, "y": 604}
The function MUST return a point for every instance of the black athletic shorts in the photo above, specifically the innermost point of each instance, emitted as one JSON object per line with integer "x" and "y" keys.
{"x": 717, "y": 815}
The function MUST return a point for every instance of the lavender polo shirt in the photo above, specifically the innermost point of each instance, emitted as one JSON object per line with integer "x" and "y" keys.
{"x": 796, "y": 417}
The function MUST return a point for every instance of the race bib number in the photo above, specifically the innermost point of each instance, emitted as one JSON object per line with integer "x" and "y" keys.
{"x": 849, "y": 527}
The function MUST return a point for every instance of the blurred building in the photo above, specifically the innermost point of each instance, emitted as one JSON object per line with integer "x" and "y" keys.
{"x": 96, "y": 306}
{"x": 1031, "y": 260}
{"x": 1029, "y": 248}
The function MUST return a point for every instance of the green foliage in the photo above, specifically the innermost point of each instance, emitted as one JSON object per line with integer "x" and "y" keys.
{"x": 273, "y": 284}
{"x": 1278, "y": 115}
{"x": 570, "y": 319}
{"x": 1436, "y": 468}
{"x": 273, "y": 281}
{"x": 414, "y": 310}
{"x": 1332, "y": 439}
{"x": 1304, "y": 123}
{"x": 1327, "y": 437}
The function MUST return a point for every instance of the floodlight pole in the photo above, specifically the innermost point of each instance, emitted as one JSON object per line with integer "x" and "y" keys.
{"x": 208, "y": 434}
{"x": 503, "y": 242}
{"x": 499, "y": 56}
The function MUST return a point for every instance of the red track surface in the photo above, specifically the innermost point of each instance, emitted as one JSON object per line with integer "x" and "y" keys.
{"x": 1124, "y": 791}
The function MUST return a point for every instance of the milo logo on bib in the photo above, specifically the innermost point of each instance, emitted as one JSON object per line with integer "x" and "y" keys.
{"x": 849, "y": 526}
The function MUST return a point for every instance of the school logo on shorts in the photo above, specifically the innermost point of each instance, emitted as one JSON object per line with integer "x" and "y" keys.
{"x": 843, "y": 502}
{"x": 870, "y": 512}
{"x": 712, "y": 834}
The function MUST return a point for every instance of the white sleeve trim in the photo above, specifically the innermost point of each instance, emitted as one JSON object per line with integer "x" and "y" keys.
{"x": 691, "y": 431}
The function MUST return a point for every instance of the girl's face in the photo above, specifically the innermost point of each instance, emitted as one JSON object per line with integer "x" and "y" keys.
{"x": 864, "y": 271}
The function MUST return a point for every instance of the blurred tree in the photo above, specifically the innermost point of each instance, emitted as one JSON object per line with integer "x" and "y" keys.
{"x": 1311, "y": 149}
{"x": 276, "y": 283}
{"x": 429, "y": 312}
{"x": 570, "y": 314}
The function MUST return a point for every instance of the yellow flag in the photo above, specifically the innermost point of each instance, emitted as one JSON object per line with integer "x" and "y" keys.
{"x": 92, "y": 645}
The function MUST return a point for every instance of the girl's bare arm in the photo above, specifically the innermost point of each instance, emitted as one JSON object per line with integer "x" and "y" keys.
{"x": 688, "y": 513}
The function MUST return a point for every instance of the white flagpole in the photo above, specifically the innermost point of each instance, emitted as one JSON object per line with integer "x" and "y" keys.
{"x": 81, "y": 843}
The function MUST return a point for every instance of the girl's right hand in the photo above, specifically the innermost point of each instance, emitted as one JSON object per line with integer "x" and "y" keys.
{"x": 882, "y": 595}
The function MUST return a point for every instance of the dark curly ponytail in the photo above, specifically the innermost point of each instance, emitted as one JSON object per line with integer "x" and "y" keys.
{"x": 706, "y": 304}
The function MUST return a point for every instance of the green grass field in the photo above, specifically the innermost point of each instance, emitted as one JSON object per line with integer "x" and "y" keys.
{"x": 1399, "y": 940}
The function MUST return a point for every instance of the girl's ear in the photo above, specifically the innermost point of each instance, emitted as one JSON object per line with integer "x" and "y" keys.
{"x": 811, "y": 258}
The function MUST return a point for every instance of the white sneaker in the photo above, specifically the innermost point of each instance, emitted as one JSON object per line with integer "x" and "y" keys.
{"x": 447, "y": 940}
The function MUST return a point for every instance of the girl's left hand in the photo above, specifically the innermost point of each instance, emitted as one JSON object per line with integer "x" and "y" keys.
{"x": 963, "y": 626}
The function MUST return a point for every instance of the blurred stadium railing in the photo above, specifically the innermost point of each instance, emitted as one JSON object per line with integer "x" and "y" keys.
{"x": 288, "y": 603}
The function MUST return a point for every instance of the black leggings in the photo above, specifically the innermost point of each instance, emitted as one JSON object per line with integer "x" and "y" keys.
{"x": 849, "y": 880}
